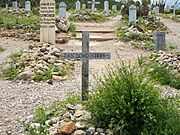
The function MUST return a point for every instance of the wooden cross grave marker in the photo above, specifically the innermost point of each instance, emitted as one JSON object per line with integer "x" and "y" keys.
{"x": 85, "y": 55}
{"x": 93, "y": 2}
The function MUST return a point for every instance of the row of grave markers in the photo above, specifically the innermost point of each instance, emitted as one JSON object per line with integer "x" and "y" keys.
{"x": 47, "y": 34}
{"x": 16, "y": 7}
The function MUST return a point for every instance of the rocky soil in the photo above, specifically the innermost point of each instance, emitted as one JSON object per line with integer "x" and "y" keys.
{"x": 174, "y": 37}
{"x": 18, "y": 100}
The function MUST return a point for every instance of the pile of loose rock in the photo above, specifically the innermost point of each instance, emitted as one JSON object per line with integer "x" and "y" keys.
{"x": 170, "y": 59}
{"x": 38, "y": 59}
{"x": 71, "y": 122}
{"x": 86, "y": 15}
{"x": 62, "y": 25}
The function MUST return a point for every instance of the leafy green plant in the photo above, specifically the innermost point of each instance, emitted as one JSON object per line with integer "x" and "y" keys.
{"x": 97, "y": 17}
{"x": 40, "y": 117}
{"x": 47, "y": 75}
{"x": 2, "y": 49}
{"x": 12, "y": 72}
{"x": 131, "y": 104}
{"x": 42, "y": 114}
{"x": 72, "y": 29}
{"x": 163, "y": 74}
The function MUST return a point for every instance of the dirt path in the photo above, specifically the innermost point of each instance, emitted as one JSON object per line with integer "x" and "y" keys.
{"x": 18, "y": 100}
{"x": 174, "y": 37}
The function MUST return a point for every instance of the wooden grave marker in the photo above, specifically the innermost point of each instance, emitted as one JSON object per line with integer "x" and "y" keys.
{"x": 85, "y": 55}
{"x": 47, "y": 21}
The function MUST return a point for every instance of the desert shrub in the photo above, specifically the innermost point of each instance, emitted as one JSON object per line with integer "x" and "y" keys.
{"x": 72, "y": 29}
{"x": 162, "y": 74}
{"x": 177, "y": 12}
{"x": 87, "y": 15}
{"x": 127, "y": 102}
{"x": 42, "y": 114}
{"x": 2, "y": 49}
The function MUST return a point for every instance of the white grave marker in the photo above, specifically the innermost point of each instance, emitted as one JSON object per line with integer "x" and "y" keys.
{"x": 93, "y": 2}
{"x": 83, "y": 6}
{"x": 15, "y": 5}
{"x": 47, "y": 21}
{"x": 106, "y": 6}
{"x": 7, "y": 4}
{"x": 78, "y": 5}
{"x": 132, "y": 14}
{"x": 114, "y": 8}
{"x": 62, "y": 10}
{"x": 156, "y": 10}
{"x": 27, "y": 6}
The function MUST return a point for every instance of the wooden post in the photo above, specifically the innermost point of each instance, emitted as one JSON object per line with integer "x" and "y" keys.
{"x": 85, "y": 64}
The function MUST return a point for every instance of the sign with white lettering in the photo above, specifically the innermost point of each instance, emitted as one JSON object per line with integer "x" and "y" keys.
{"x": 79, "y": 55}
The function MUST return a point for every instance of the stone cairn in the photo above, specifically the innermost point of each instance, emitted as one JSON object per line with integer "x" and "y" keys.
{"x": 70, "y": 122}
{"x": 37, "y": 59}
{"x": 170, "y": 59}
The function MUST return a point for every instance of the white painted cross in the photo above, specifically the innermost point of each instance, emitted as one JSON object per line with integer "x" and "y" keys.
{"x": 85, "y": 55}
{"x": 93, "y": 2}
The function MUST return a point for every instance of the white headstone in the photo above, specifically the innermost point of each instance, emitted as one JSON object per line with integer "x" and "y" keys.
{"x": 15, "y": 5}
{"x": 62, "y": 10}
{"x": 156, "y": 10}
{"x": 93, "y": 2}
{"x": 83, "y": 6}
{"x": 78, "y": 5}
{"x": 114, "y": 8}
{"x": 47, "y": 21}
{"x": 106, "y": 6}
{"x": 6, "y": 5}
{"x": 132, "y": 14}
{"x": 167, "y": 8}
{"x": 27, "y": 6}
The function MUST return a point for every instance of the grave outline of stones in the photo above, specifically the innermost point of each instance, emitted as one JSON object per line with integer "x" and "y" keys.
{"x": 132, "y": 14}
{"x": 93, "y": 2}
{"x": 28, "y": 6}
{"x": 62, "y": 10}
{"x": 78, "y": 5}
{"x": 85, "y": 55}
{"x": 106, "y": 6}
{"x": 47, "y": 21}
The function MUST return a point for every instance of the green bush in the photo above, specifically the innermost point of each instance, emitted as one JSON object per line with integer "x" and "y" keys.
{"x": 163, "y": 74}
{"x": 72, "y": 29}
{"x": 127, "y": 102}
{"x": 12, "y": 72}
{"x": 42, "y": 114}
{"x": 2, "y": 49}
{"x": 97, "y": 17}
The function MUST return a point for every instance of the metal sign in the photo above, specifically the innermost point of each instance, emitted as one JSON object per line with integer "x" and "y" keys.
{"x": 79, "y": 55}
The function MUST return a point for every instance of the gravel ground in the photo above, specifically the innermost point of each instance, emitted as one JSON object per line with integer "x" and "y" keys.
{"x": 174, "y": 37}
{"x": 19, "y": 100}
